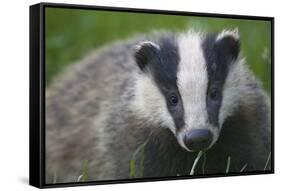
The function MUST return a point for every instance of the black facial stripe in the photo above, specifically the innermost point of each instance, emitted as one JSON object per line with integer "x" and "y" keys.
{"x": 218, "y": 56}
{"x": 164, "y": 67}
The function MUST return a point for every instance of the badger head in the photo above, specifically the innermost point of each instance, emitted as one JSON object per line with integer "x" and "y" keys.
{"x": 181, "y": 84}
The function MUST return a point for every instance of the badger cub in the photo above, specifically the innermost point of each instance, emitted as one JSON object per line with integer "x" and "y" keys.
{"x": 172, "y": 94}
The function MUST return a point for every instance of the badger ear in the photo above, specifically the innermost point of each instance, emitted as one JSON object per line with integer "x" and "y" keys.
{"x": 144, "y": 52}
{"x": 228, "y": 43}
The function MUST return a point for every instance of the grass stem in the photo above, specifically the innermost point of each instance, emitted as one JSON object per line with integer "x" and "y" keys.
{"x": 267, "y": 161}
{"x": 228, "y": 164}
{"x": 243, "y": 168}
{"x": 195, "y": 162}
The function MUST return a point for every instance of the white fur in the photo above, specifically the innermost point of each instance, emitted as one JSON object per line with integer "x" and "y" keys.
{"x": 150, "y": 104}
{"x": 192, "y": 79}
{"x": 145, "y": 43}
{"x": 233, "y": 33}
{"x": 192, "y": 83}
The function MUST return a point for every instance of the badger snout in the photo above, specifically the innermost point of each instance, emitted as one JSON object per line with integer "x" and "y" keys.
{"x": 198, "y": 139}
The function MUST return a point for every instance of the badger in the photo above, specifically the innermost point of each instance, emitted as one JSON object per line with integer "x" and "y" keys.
{"x": 172, "y": 94}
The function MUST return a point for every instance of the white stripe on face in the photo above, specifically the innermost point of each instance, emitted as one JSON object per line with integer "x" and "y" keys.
{"x": 192, "y": 80}
{"x": 150, "y": 105}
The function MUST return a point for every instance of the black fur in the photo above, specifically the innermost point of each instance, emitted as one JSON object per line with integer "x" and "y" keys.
{"x": 219, "y": 55}
{"x": 163, "y": 65}
{"x": 242, "y": 139}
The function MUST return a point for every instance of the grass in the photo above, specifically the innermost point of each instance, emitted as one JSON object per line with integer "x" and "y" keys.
{"x": 195, "y": 162}
{"x": 84, "y": 177}
{"x": 267, "y": 161}
{"x": 71, "y": 34}
{"x": 137, "y": 166}
{"x": 133, "y": 165}
{"x": 204, "y": 162}
{"x": 55, "y": 177}
{"x": 228, "y": 164}
{"x": 244, "y": 167}
{"x": 201, "y": 154}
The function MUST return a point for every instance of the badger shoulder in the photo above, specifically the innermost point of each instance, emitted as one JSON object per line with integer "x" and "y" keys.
{"x": 86, "y": 103}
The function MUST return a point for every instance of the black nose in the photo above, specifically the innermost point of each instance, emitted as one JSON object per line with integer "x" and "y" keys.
{"x": 198, "y": 139}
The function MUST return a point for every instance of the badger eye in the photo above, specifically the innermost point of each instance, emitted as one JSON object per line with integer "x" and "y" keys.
{"x": 214, "y": 94}
{"x": 173, "y": 100}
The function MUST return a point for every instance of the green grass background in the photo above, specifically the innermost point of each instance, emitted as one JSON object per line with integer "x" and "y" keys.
{"x": 72, "y": 33}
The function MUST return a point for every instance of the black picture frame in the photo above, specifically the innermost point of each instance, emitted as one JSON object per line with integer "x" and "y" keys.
{"x": 37, "y": 92}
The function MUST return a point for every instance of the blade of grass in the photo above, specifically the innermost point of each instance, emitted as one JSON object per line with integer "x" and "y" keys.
{"x": 55, "y": 177}
{"x": 142, "y": 162}
{"x": 195, "y": 162}
{"x": 243, "y": 168}
{"x": 132, "y": 167}
{"x": 85, "y": 176}
{"x": 79, "y": 178}
{"x": 228, "y": 164}
{"x": 204, "y": 163}
{"x": 133, "y": 160}
{"x": 267, "y": 161}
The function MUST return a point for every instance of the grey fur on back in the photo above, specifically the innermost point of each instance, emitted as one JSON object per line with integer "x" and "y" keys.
{"x": 82, "y": 106}
{"x": 88, "y": 118}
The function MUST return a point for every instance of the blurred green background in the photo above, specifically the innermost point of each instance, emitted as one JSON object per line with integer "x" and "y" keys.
{"x": 72, "y": 33}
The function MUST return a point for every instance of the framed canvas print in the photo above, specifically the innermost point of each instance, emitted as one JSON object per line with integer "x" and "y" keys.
{"x": 121, "y": 95}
